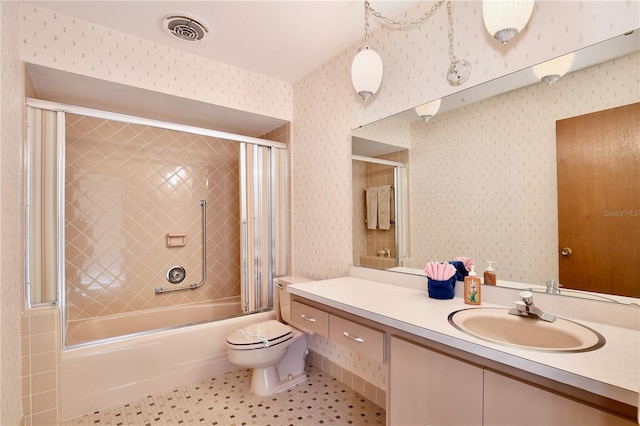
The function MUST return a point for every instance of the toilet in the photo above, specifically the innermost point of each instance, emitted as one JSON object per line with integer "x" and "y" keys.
{"x": 273, "y": 349}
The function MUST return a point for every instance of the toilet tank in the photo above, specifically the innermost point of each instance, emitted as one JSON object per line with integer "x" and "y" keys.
{"x": 283, "y": 299}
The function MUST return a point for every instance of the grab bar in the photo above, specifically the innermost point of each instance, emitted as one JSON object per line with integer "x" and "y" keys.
{"x": 193, "y": 286}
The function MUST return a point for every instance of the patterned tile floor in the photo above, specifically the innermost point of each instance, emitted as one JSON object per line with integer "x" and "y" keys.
{"x": 226, "y": 401}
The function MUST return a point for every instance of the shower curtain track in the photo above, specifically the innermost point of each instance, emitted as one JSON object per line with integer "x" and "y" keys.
{"x": 193, "y": 286}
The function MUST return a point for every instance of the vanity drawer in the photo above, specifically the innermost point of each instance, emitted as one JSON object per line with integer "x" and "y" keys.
{"x": 360, "y": 338}
{"x": 309, "y": 319}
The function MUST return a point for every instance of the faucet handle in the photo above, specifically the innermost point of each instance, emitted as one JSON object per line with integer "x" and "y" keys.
{"x": 527, "y": 297}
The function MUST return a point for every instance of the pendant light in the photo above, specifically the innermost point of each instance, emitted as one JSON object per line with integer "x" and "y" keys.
{"x": 428, "y": 110}
{"x": 551, "y": 71}
{"x": 504, "y": 19}
{"x": 366, "y": 72}
{"x": 366, "y": 68}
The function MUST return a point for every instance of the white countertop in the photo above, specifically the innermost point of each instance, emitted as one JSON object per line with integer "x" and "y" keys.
{"x": 612, "y": 371}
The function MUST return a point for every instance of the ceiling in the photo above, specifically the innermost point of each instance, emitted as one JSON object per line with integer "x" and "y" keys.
{"x": 284, "y": 40}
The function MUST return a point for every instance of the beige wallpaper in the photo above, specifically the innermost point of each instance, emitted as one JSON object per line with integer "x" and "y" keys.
{"x": 326, "y": 109}
{"x": 11, "y": 289}
{"x": 389, "y": 130}
{"x": 488, "y": 186}
{"x": 64, "y": 43}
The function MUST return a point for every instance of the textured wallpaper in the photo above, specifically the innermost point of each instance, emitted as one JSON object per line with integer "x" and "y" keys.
{"x": 326, "y": 108}
{"x": 390, "y": 131}
{"x": 64, "y": 43}
{"x": 485, "y": 186}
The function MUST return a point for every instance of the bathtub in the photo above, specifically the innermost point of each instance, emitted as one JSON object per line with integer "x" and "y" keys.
{"x": 110, "y": 326}
{"x": 114, "y": 372}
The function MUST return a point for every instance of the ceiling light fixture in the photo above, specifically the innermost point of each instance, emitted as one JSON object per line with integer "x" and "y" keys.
{"x": 367, "y": 67}
{"x": 551, "y": 71}
{"x": 504, "y": 19}
{"x": 428, "y": 110}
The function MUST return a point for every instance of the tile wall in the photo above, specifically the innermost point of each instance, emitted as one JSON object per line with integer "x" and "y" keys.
{"x": 41, "y": 383}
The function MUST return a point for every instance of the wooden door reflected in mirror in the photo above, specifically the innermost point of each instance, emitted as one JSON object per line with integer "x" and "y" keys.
{"x": 598, "y": 158}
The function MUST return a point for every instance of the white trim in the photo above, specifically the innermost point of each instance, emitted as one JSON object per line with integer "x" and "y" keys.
{"x": 377, "y": 161}
{"x": 89, "y": 112}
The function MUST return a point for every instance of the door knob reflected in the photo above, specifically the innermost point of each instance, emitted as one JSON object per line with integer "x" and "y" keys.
{"x": 566, "y": 251}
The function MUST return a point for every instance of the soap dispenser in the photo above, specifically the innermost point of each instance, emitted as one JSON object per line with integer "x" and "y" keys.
{"x": 472, "y": 288}
{"x": 490, "y": 274}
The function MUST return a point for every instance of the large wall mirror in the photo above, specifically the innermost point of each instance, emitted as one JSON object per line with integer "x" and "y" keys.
{"x": 482, "y": 175}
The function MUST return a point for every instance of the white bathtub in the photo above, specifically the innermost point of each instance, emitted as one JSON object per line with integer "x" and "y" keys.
{"x": 114, "y": 372}
{"x": 106, "y": 327}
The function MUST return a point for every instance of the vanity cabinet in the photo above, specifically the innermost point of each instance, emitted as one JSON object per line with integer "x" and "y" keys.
{"x": 356, "y": 336}
{"x": 508, "y": 401}
{"x": 427, "y": 387}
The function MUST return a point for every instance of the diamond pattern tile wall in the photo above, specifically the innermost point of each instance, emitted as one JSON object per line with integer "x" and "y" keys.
{"x": 127, "y": 186}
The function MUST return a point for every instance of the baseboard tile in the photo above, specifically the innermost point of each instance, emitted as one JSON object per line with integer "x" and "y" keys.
{"x": 371, "y": 392}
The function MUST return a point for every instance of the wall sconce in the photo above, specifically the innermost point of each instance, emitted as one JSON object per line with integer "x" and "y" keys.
{"x": 367, "y": 67}
{"x": 504, "y": 19}
{"x": 428, "y": 110}
{"x": 552, "y": 70}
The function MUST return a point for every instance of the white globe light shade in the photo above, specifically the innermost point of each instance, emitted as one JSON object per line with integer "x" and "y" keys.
{"x": 428, "y": 110}
{"x": 506, "y": 18}
{"x": 366, "y": 72}
{"x": 552, "y": 70}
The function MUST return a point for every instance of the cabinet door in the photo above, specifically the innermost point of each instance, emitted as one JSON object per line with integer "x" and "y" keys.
{"x": 428, "y": 388}
{"x": 509, "y": 402}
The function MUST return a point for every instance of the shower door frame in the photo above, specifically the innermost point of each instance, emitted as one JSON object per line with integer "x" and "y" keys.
{"x": 62, "y": 109}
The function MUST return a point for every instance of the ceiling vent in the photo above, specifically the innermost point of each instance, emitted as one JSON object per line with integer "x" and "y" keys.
{"x": 184, "y": 27}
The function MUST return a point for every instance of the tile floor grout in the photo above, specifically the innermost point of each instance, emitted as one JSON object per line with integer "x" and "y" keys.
{"x": 226, "y": 400}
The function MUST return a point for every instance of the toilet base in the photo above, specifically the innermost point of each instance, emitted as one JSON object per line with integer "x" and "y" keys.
{"x": 266, "y": 381}
{"x": 287, "y": 373}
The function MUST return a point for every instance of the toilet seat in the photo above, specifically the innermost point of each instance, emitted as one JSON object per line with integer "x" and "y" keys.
{"x": 259, "y": 336}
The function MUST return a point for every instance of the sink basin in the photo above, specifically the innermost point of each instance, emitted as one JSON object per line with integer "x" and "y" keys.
{"x": 498, "y": 326}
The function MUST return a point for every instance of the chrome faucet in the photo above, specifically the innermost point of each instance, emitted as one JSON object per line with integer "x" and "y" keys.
{"x": 553, "y": 287}
{"x": 526, "y": 308}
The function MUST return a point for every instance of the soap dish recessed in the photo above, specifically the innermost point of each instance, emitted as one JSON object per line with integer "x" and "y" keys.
{"x": 176, "y": 240}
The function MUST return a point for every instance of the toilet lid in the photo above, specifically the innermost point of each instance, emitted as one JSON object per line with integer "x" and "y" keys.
{"x": 260, "y": 335}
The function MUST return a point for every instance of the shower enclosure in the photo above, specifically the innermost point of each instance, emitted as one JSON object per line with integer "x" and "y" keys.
{"x": 376, "y": 246}
{"x": 128, "y": 215}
